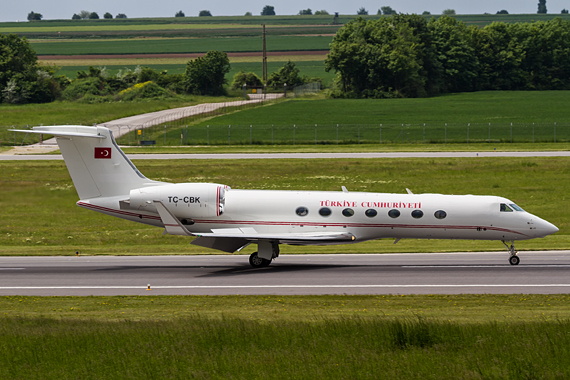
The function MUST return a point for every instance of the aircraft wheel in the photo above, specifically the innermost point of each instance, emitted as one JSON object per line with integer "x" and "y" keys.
{"x": 258, "y": 262}
{"x": 514, "y": 260}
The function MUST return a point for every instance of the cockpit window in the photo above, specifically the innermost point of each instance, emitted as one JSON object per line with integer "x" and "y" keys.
{"x": 505, "y": 208}
{"x": 517, "y": 208}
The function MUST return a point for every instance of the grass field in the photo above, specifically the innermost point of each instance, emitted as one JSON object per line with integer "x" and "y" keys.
{"x": 38, "y": 190}
{"x": 309, "y": 68}
{"x": 492, "y": 117}
{"x": 244, "y": 337}
{"x": 180, "y": 45}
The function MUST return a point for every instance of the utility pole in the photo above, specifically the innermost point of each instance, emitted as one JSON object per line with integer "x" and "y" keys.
{"x": 264, "y": 58}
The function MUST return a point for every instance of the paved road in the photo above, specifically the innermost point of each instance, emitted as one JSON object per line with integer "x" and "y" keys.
{"x": 433, "y": 273}
{"x": 260, "y": 156}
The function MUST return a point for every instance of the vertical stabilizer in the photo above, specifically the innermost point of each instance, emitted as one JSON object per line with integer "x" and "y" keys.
{"x": 96, "y": 164}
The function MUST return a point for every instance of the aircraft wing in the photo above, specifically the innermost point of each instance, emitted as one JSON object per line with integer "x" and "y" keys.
{"x": 231, "y": 239}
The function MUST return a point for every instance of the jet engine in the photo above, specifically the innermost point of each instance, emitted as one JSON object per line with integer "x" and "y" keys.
{"x": 184, "y": 200}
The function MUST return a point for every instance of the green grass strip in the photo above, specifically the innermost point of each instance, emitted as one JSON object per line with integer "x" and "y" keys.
{"x": 256, "y": 337}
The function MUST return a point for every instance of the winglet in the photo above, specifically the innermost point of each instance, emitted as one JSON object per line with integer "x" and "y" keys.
{"x": 409, "y": 191}
{"x": 171, "y": 223}
{"x": 344, "y": 190}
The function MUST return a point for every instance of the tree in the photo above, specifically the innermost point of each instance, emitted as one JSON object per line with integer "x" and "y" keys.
{"x": 21, "y": 79}
{"x": 32, "y": 16}
{"x": 288, "y": 74}
{"x": 503, "y": 12}
{"x": 305, "y": 12}
{"x": 207, "y": 75}
{"x": 268, "y": 10}
{"x": 76, "y": 17}
{"x": 322, "y": 12}
{"x": 248, "y": 14}
{"x": 426, "y": 13}
{"x": 121, "y": 15}
{"x": 205, "y": 14}
{"x": 564, "y": 11}
{"x": 179, "y": 14}
{"x": 449, "y": 12}
{"x": 542, "y": 6}
{"x": 93, "y": 16}
{"x": 387, "y": 11}
{"x": 362, "y": 12}
{"x": 107, "y": 15}
{"x": 456, "y": 57}
{"x": 84, "y": 15}
{"x": 388, "y": 57}
{"x": 249, "y": 79}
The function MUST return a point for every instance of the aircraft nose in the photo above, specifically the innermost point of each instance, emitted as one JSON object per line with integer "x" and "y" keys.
{"x": 545, "y": 228}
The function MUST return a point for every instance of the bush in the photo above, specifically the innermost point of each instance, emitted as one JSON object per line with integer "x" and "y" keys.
{"x": 146, "y": 90}
{"x": 81, "y": 87}
{"x": 249, "y": 79}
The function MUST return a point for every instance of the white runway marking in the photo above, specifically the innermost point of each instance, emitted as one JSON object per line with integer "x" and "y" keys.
{"x": 485, "y": 266}
{"x": 12, "y": 268}
{"x": 284, "y": 286}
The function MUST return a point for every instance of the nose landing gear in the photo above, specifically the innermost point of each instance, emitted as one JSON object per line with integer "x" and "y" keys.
{"x": 513, "y": 259}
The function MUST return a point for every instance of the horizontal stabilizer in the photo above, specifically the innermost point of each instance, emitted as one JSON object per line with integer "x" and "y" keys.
{"x": 64, "y": 131}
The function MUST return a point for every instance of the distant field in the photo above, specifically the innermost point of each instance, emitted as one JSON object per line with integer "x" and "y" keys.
{"x": 177, "y": 45}
{"x": 477, "y": 107}
{"x": 309, "y": 68}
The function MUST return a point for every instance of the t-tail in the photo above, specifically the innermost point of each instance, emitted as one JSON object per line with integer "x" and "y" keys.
{"x": 96, "y": 164}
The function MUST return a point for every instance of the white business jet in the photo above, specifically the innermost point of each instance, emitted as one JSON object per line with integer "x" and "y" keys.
{"x": 229, "y": 219}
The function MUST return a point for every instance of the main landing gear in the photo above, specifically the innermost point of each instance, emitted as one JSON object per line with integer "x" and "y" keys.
{"x": 513, "y": 259}
{"x": 258, "y": 262}
{"x": 268, "y": 250}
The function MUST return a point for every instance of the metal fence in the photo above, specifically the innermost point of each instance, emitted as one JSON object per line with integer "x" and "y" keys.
{"x": 358, "y": 134}
{"x": 298, "y": 134}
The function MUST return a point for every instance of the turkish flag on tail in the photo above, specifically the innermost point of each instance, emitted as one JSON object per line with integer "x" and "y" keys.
{"x": 102, "y": 152}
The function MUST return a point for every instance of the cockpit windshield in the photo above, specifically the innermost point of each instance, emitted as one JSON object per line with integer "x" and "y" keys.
{"x": 510, "y": 207}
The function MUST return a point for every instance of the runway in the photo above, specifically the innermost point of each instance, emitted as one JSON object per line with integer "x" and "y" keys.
{"x": 545, "y": 272}
{"x": 262, "y": 156}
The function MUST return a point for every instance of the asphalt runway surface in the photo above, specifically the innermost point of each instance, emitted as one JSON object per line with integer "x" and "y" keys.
{"x": 546, "y": 272}
{"x": 260, "y": 156}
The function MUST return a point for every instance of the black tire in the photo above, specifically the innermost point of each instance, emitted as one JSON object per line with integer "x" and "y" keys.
{"x": 514, "y": 260}
{"x": 257, "y": 262}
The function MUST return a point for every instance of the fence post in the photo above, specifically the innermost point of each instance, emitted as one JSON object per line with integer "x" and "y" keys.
{"x": 294, "y": 127}
{"x": 229, "y": 134}
{"x": 468, "y": 125}
{"x": 337, "y": 134}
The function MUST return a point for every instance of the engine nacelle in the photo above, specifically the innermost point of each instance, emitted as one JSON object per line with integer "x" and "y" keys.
{"x": 184, "y": 200}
